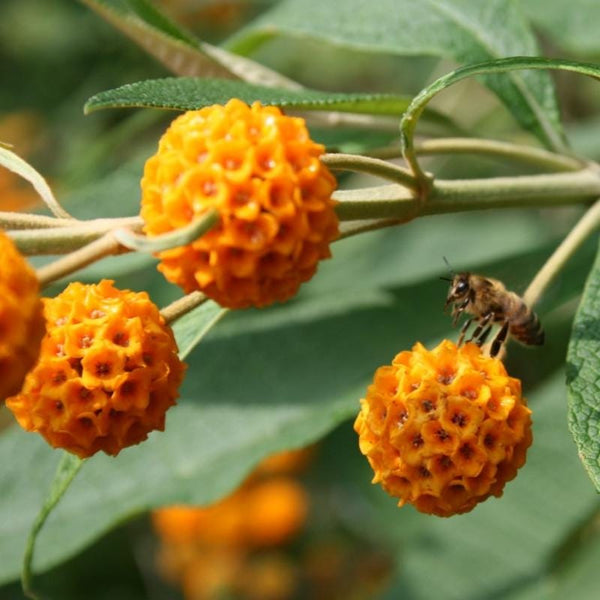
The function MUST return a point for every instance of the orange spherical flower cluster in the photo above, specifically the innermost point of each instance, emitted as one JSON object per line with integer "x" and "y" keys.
{"x": 263, "y": 513}
{"x": 21, "y": 318}
{"x": 108, "y": 370}
{"x": 261, "y": 172}
{"x": 444, "y": 429}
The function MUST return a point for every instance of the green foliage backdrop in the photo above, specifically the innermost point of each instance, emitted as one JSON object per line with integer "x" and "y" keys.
{"x": 284, "y": 377}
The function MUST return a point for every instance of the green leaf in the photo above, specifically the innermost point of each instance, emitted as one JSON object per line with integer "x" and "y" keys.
{"x": 572, "y": 25}
{"x": 505, "y": 65}
{"x": 188, "y": 93}
{"x": 575, "y": 569}
{"x": 263, "y": 380}
{"x": 191, "y": 328}
{"x": 19, "y": 166}
{"x": 174, "y": 48}
{"x": 583, "y": 374}
{"x": 468, "y": 31}
{"x": 179, "y": 51}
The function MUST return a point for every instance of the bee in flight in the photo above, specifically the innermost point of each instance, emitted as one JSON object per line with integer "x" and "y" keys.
{"x": 489, "y": 302}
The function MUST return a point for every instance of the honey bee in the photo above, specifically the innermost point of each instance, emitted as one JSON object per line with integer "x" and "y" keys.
{"x": 490, "y": 302}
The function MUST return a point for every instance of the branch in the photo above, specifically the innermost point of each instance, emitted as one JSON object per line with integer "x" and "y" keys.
{"x": 61, "y": 240}
{"x": 446, "y": 196}
{"x": 372, "y": 166}
{"x": 589, "y": 223}
{"x": 105, "y": 246}
{"x": 182, "y": 306}
{"x": 516, "y": 152}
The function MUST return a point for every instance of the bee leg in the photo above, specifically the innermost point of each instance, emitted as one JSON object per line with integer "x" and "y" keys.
{"x": 463, "y": 331}
{"x": 480, "y": 327}
{"x": 480, "y": 341}
{"x": 458, "y": 310}
{"x": 499, "y": 340}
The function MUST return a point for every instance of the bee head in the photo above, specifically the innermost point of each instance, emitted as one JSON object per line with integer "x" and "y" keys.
{"x": 459, "y": 288}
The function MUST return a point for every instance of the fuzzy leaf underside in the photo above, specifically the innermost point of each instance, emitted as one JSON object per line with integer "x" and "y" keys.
{"x": 244, "y": 397}
{"x": 178, "y": 50}
{"x": 469, "y": 31}
{"x": 583, "y": 376}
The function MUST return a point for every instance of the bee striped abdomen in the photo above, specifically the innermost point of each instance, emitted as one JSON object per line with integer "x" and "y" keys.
{"x": 525, "y": 325}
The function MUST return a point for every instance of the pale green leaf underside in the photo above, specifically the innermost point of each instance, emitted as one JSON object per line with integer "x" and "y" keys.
{"x": 178, "y": 50}
{"x": 503, "y": 65}
{"x": 583, "y": 376}
{"x": 260, "y": 381}
{"x": 174, "y": 48}
{"x": 16, "y": 164}
{"x": 467, "y": 31}
{"x": 188, "y": 93}
{"x": 190, "y": 329}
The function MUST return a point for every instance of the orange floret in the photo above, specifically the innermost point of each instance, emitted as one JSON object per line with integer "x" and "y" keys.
{"x": 108, "y": 371}
{"x": 260, "y": 170}
{"x": 444, "y": 429}
{"x": 21, "y": 318}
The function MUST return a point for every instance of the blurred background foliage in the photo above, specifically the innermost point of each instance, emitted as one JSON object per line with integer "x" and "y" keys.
{"x": 377, "y": 296}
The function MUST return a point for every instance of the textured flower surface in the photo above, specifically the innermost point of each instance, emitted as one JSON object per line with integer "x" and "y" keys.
{"x": 21, "y": 318}
{"x": 261, "y": 172}
{"x": 107, "y": 372}
{"x": 444, "y": 429}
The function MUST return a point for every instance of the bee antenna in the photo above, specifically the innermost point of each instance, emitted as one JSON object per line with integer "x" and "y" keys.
{"x": 446, "y": 279}
{"x": 449, "y": 266}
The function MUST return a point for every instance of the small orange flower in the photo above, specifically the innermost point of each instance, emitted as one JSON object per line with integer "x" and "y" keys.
{"x": 444, "y": 429}
{"x": 261, "y": 172}
{"x": 108, "y": 371}
{"x": 21, "y": 318}
{"x": 276, "y": 511}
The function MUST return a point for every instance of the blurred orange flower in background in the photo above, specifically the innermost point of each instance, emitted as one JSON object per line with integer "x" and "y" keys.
{"x": 21, "y": 130}
{"x": 209, "y": 550}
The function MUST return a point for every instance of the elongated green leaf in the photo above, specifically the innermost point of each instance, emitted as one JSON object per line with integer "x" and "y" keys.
{"x": 260, "y": 381}
{"x": 174, "y": 48}
{"x": 19, "y": 166}
{"x": 466, "y": 30}
{"x": 505, "y": 65}
{"x": 177, "y": 49}
{"x": 572, "y": 25}
{"x": 191, "y": 328}
{"x": 187, "y": 93}
{"x": 583, "y": 374}
{"x": 67, "y": 469}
